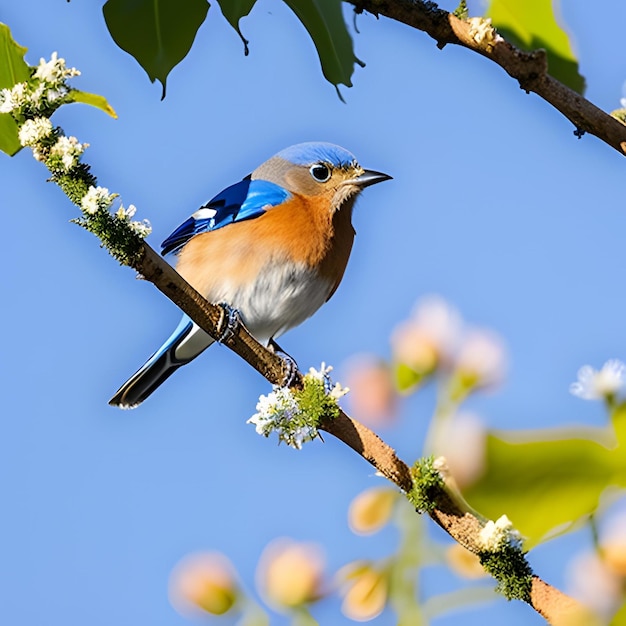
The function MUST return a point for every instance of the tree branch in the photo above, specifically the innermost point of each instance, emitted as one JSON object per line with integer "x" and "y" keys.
{"x": 530, "y": 69}
{"x": 450, "y": 511}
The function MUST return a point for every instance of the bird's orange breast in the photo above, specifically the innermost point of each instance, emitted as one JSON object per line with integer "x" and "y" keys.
{"x": 303, "y": 230}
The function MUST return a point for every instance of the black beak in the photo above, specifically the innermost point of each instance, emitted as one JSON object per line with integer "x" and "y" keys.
{"x": 370, "y": 177}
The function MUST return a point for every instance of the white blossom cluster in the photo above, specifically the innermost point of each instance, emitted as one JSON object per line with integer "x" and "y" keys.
{"x": 35, "y": 130}
{"x": 69, "y": 150}
{"x": 47, "y": 89}
{"x": 143, "y": 228}
{"x": 496, "y": 535}
{"x": 275, "y": 412}
{"x": 280, "y": 411}
{"x": 95, "y": 199}
{"x": 601, "y": 384}
{"x": 36, "y": 99}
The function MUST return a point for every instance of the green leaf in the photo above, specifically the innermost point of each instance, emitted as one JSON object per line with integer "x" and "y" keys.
{"x": 9, "y": 143}
{"x": 13, "y": 70}
{"x": 618, "y": 419}
{"x": 233, "y": 11}
{"x": 530, "y": 25}
{"x": 94, "y": 100}
{"x": 619, "y": 619}
{"x": 549, "y": 484}
{"x": 157, "y": 33}
{"x": 406, "y": 378}
{"x": 324, "y": 21}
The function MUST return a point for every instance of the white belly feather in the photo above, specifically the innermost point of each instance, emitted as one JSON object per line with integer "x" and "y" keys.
{"x": 279, "y": 299}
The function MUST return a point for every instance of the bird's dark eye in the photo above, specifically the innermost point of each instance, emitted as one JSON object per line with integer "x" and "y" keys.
{"x": 320, "y": 172}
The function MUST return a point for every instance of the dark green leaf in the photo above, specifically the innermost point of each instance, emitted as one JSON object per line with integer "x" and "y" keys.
{"x": 548, "y": 483}
{"x": 157, "y": 33}
{"x": 324, "y": 21}
{"x": 530, "y": 25}
{"x": 233, "y": 11}
{"x": 13, "y": 69}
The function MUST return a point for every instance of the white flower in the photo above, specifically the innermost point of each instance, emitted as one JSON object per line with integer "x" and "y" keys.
{"x": 495, "y": 535}
{"x": 96, "y": 198}
{"x": 126, "y": 214}
{"x": 143, "y": 228}
{"x": 335, "y": 391}
{"x": 276, "y": 411}
{"x": 33, "y": 131}
{"x": 54, "y": 71}
{"x": 52, "y": 95}
{"x": 481, "y": 31}
{"x": 280, "y": 410}
{"x": 69, "y": 150}
{"x": 595, "y": 385}
{"x": 14, "y": 98}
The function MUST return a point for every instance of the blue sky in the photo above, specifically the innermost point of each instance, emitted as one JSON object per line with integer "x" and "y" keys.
{"x": 495, "y": 205}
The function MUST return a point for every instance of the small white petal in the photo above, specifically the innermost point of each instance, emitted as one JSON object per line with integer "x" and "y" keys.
{"x": 595, "y": 385}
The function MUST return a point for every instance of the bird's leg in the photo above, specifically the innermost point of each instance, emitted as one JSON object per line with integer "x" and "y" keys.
{"x": 228, "y": 323}
{"x": 291, "y": 367}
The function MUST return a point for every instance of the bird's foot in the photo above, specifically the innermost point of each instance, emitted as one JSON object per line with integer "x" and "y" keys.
{"x": 228, "y": 323}
{"x": 289, "y": 364}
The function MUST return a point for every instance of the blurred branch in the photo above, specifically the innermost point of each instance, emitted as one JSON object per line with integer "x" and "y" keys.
{"x": 449, "y": 510}
{"x": 530, "y": 69}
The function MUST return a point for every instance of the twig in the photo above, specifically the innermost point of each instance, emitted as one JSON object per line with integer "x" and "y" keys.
{"x": 529, "y": 68}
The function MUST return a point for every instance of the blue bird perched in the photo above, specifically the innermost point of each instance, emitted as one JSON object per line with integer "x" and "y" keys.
{"x": 273, "y": 248}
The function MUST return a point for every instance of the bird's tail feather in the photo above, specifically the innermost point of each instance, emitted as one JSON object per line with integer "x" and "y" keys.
{"x": 184, "y": 345}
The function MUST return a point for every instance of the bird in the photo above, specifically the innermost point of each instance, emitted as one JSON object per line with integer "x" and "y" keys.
{"x": 271, "y": 248}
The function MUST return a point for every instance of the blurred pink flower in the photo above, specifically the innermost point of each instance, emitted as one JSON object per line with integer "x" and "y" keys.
{"x": 205, "y": 581}
{"x": 481, "y": 359}
{"x": 613, "y": 542}
{"x": 429, "y": 336}
{"x": 463, "y": 443}
{"x": 594, "y": 584}
{"x": 372, "y": 398}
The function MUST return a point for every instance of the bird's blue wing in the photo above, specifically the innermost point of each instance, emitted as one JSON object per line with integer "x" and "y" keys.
{"x": 241, "y": 201}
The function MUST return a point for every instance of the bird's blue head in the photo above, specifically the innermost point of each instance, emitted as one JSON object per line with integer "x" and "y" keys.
{"x": 317, "y": 168}
{"x": 306, "y": 154}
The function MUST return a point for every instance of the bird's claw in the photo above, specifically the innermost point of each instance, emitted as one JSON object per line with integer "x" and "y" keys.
{"x": 228, "y": 323}
{"x": 289, "y": 364}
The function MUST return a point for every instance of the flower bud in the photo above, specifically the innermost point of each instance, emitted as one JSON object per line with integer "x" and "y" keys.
{"x": 365, "y": 593}
{"x": 371, "y": 510}
{"x": 463, "y": 562}
{"x": 203, "y": 581}
{"x": 290, "y": 573}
